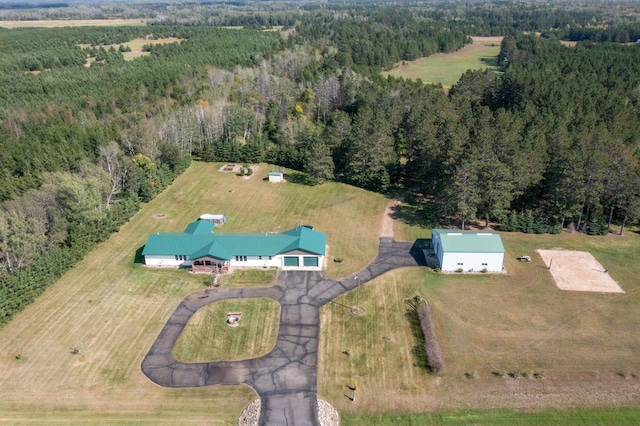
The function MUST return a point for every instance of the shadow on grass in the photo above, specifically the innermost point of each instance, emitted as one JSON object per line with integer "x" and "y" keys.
{"x": 139, "y": 258}
{"x": 418, "y": 351}
{"x": 490, "y": 61}
{"x": 299, "y": 178}
{"x": 416, "y": 213}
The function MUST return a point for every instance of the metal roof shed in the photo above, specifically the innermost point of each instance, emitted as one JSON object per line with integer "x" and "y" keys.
{"x": 468, "y": 251}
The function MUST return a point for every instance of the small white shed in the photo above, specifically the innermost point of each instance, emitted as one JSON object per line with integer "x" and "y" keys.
{"x": 276, "y": 176}
{"x": 217, "y": 219}
{"x": 468, "y": 251}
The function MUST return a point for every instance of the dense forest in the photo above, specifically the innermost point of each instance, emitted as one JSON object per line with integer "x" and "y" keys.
{"x": 548, "y": 142}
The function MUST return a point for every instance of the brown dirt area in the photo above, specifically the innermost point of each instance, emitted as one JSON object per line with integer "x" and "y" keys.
{"x": 235, "y": 168}
{"x": 480, "y": 40}
{"x": 386, "y": 230}
{"x": 578, "y": 271}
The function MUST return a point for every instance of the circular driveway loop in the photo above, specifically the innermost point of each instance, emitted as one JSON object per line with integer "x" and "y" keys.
{"x": 286, "y": 378}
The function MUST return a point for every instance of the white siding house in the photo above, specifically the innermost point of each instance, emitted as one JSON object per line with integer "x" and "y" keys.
{"x": 202, "y": 250}
{"x": 468, "y": 251}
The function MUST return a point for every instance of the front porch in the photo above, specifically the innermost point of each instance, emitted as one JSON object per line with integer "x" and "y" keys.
{"x": 210, "y": 266}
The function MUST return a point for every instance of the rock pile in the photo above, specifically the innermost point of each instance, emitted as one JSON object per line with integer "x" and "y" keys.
{"x": 327, "y": 415}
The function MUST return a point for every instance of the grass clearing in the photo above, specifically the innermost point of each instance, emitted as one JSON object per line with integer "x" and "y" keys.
{"x": 59, "y": 23}
{"x": 136, "y": 47}
{"x": 446, "y": 68}
{"x": 207, "y": 337}
{"x": 74, "y": 355}
{"x": 510, "y": 342}
{"x": 250, "y": 278}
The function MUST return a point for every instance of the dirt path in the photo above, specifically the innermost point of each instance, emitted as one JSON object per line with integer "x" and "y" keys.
{"x": 386, "y": 230}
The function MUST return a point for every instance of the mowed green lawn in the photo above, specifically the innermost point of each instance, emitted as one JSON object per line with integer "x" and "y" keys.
{"x": 74, "y": 355}
{"x": 208, "y": 337}
{"x": 446, "y": 68}
{"x": 510, "y": 342}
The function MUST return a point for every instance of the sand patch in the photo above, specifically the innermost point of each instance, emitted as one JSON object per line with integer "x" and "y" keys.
{"x": 578, "y": 271}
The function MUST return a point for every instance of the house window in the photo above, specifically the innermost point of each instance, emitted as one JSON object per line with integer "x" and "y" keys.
{"x": 269, "y": 257}
{"x": 484, "y": 264}
{"x": 237, "y": 258}
{"x": 177, "y": 257}
{"x": 259, "y": 257}
{"x": 244, "y": 258}
{"x": 460, "y": 264}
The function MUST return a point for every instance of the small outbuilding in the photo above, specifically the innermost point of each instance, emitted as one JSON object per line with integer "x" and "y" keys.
{"x": 468, "y": 251}
{"x": 276, "y": 176}
{"x": 216, "y": 219}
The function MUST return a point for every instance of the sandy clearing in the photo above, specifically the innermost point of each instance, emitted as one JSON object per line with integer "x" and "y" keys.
{"x": 578, "y": 271}
{"x": 495, "y": 39}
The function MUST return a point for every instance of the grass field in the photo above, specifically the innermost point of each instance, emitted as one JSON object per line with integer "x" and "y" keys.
{"x": 74, "y": 355}
{"x": 136, "y": 47}
{"x": 59, "y": 23}
{"x": 446, "y": 68}
{"x": 207, "y": 337}
{"x": 510, "y": 342}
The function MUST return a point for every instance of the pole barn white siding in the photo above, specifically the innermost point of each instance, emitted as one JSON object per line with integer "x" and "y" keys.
{"x": 468, "y": 251}
{"x": 472, "y": 262}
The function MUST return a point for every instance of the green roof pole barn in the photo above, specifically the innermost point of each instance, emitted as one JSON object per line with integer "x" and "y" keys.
{"x": 203, "y": 250}
{"x": 468, "y": 251}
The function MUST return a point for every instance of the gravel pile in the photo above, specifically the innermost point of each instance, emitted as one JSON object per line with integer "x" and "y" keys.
{"x": 327, "y": 415}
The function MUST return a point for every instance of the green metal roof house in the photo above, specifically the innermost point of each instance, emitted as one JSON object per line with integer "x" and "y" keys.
{"x": 468, "y": 251}
{"x": 203, "y": 250}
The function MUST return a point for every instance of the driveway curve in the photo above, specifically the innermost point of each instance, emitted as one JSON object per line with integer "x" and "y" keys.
{"x": 286, "y": 378}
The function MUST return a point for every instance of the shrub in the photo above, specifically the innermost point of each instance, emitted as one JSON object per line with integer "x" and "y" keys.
{"x": 431, "y": 346}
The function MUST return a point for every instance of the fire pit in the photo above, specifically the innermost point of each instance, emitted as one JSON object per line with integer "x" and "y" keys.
{"x": 233, "y": 319}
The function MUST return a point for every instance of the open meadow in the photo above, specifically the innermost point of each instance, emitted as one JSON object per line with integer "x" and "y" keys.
{"x": 74, "y": 355}
{"x": 446, "y": 68}
{"x": 135, "y": 47}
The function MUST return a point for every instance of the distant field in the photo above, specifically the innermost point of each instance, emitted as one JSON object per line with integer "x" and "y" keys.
{"x": 74, "y": 355}
{"x": 73, "y": 23}
{"x": 510, "y": 342}
{"x": 136, "y": 47}
{"x": 446, "y": 68}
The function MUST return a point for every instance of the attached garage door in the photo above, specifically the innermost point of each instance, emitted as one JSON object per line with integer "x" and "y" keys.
{"x": 310, "y": 261}
{"x": 291, "y": 261}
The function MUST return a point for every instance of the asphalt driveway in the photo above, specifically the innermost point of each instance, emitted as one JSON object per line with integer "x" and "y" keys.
{"x": 286, "y": 378}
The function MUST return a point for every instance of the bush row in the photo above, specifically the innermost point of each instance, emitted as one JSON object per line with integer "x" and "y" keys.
{"x": 431, "y": 346}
